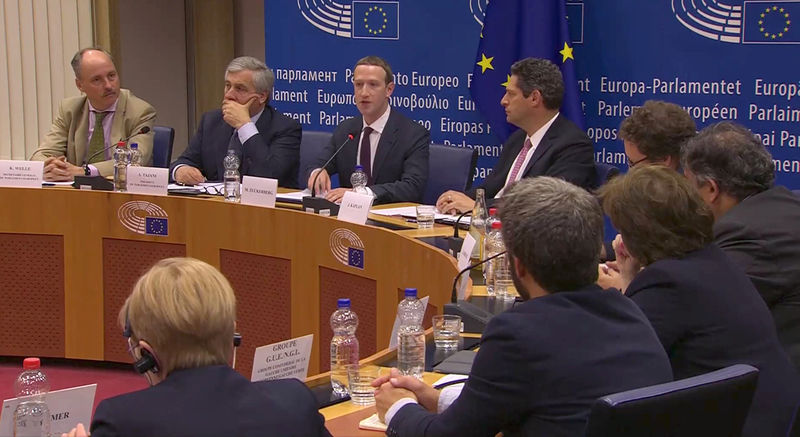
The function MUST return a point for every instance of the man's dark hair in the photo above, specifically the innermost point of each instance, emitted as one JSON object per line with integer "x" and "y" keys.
{"x": 658, "y": 212}
{"x": 543, "y": 75}
{"x": 733, "y": 157}
{"x": 658, "y": 129}
{"x": 380, "y": 62}
{"x": 555, "y": 229}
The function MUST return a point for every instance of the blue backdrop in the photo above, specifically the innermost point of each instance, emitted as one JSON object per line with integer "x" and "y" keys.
{"x": 736, "y": 60}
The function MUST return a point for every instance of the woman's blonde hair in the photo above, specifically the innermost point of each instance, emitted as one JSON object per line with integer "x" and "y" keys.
{"x": 186, "y": 310}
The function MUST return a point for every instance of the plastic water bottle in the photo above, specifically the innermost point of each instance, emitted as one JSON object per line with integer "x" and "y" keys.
{"x": 358, "y": 179}
{"x": 136, "y": 155}
{"x": 122, "y": 158}
{"x": 494, "y": 245}
{"x": 410, "y": 335}
{"x": 32, "y": 416}
{"x": 231, "y": 184}
{"x": 477, "y": 224}
{"x": 344, "y": 344}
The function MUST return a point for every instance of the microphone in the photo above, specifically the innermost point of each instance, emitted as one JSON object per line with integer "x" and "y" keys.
{"x": 318, "y": 203}
{"x": 474, "y": 317}
{"x": 143, "y": 130}
{"x": 455, "y": 241}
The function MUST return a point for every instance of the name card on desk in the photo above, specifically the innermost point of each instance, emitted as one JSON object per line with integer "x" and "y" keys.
{"x": 68, "y": 407}
{"x": 148, "y": 180}
{"x": 355, "y": 207}
{"x": 259, "y": 191}
{"x": 463, "y": 263}
{"x": 286, "y": 359}
{"x": 25, "y": 174}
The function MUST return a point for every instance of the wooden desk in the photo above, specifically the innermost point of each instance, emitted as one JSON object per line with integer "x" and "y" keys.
{"x": 68, "y": 261}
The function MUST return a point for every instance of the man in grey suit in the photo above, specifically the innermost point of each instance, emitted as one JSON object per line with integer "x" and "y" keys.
{"x": 756, "y": 221}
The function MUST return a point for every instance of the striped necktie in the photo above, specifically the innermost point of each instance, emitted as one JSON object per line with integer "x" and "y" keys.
{"x": 520, "y": 159}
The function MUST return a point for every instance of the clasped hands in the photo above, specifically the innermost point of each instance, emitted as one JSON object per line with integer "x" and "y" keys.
{"x": 57, "y": 169}
{"x": 395, "y": 386}
{"x": 618, "y": 274}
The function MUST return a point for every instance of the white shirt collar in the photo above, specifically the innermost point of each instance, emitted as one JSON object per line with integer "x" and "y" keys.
{"x": 257, "y": 116}
{"x": 537, "y": 136}
{"x": 379, "y": 124}
{"x": 112, "y": 108}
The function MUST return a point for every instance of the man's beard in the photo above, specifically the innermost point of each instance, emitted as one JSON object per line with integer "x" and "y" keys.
{"x": 524, "y": 294}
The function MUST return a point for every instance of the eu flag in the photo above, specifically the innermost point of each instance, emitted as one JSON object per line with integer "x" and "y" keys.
{"x": 771, "y": 22}
{"x": 514, "y": 30}
{"x": 355, "y": 257}
{"x": 156, "y": 226}
{"x": 376, "y": 19}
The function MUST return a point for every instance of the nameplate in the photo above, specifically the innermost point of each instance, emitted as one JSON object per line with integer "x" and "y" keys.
{"x": 259, "y": 191}
{"x": 68, "y": 407}
{"x": 463, "y": 263}
{"x": 355, "y": 207}
{"x": 286, "y": 359}
{"x": 25, "y": 174}
{"x": 396, "y": 326}
{"x": 148, "y": 180}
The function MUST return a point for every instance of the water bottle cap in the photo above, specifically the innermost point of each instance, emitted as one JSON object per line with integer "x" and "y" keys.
{"x": 497, "y": 225}
{"x": 411, "y": 292}
{"x": 134, "y": 146}
{"x": 121, "y": 144}
{"x": 31, "y": 363}
{"x": 359, "y": 167}
{"x": 492, "y": 211}
{"x": 343, "y": 303}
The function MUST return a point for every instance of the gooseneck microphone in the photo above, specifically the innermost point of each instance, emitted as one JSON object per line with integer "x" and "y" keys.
{"x": 315, "y": 203}
{"x": 454, "y": 295}
{"x": 455, "y": 241}
{"x": 475, "y": 318}
{"x": 143, "y": 130}
{"x": 324, "y": 166}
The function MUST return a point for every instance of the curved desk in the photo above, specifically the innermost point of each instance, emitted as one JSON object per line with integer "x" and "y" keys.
{"x": 69, "y": 258}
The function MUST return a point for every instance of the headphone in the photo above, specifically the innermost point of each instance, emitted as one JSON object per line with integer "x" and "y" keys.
{"x": 148, "y": 361}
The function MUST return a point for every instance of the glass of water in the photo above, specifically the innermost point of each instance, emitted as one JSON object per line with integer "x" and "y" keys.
{"x": 425, "y": 216}
{"x": 446, "y": 331}
{"x": 360, "y": 381}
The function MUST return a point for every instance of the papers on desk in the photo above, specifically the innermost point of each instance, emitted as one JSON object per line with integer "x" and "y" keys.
{"x": 213, "y": 188}
{"x": 293, "y": 197}
{"x": 411, "y": 212}
{"x": 57, "y": 183}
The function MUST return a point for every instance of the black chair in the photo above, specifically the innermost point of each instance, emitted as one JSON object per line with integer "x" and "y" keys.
{"x": 450, "y": 168}
{"x": 310, "y": 148}
{"x": 711, "y": 405}
{"x": 162, "y": 146}
{"x": 604, "y": 172}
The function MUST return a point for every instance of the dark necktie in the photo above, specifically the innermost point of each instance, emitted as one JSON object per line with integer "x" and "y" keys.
{"x": 98, "y": 141}
{"x": 364, "y": 156}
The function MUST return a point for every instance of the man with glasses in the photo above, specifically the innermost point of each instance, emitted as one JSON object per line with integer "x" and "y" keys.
{"x": 655, "y": 132}
{"x": 266, "y": 141}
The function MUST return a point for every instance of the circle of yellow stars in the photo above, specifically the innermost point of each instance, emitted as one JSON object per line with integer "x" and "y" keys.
{"x": 780, "y": 12}
{"x": 379, "y": 10}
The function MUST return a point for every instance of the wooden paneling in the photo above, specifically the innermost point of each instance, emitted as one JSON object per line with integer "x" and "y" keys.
{"x": 279, "y": 237}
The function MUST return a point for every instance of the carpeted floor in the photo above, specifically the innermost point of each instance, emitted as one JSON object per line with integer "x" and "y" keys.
{"x": 111, "y": 379}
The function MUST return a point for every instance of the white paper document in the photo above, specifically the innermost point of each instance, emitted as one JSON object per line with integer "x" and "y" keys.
{"x": 285, "y": 359}
{"x": 68, "y": 407}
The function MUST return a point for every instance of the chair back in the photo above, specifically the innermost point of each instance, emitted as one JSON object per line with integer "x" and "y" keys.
{"x": 310, "y": 149}
{"x": 449, "y": 168}
{"x": 604, "y": 172}
{"x": 709, "y": 405}
{"x": 163, "y": 139}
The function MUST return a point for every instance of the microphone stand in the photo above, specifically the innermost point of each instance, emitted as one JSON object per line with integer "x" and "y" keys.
{"x": 316, "y": 204}
{"x": 474, "y": 317}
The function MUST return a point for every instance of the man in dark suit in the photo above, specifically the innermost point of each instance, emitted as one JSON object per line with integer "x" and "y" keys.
{"x": 547, "y": 143}
{"x": 179, "y": 321}
{"x": 266, "y": 141}
{"x": 542, "y": 363}
{"x": 756, "y": 222}
{"x": 392, "y": 149}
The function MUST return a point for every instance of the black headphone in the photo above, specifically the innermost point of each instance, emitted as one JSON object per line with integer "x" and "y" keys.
{"x": 148, "y": 361}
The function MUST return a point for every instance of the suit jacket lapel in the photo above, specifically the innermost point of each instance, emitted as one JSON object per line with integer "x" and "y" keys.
{"x": 544, "y": 144}
{"x": 80, "y": 137}
{"x": 385, "y": 145}
{"x": 118, "y": 124}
